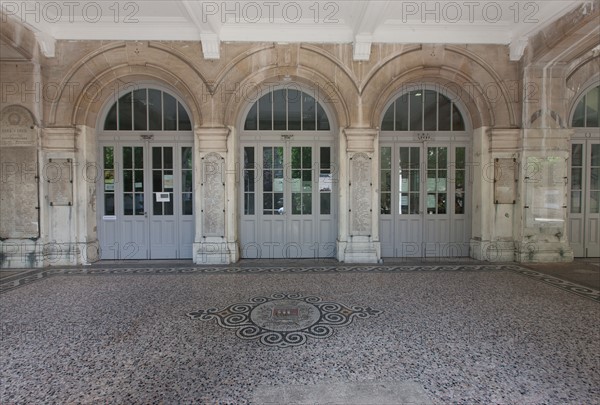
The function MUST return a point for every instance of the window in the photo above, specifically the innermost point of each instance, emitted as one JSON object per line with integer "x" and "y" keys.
{"x": 586, "y": 112}
{"x": 287, "y": 110}
{"x": 147, "y": 110}
{"x": 423, "y": 110}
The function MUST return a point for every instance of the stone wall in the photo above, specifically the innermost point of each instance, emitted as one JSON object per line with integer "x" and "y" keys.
{"x": 516, "y": 110}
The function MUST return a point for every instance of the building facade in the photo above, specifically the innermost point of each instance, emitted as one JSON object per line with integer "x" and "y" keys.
{"x": 147, "y": 150}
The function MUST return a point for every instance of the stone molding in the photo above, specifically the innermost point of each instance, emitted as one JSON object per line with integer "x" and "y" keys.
{"x": 212, "y": 139}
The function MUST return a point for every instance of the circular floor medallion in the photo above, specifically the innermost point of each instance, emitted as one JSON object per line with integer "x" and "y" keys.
{"x": 284, "y": 320}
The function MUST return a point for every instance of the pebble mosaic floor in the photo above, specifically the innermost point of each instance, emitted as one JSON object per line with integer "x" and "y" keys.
{"x": 461, "y": 333}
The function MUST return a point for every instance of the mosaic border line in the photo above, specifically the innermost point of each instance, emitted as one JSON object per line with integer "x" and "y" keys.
{"x": 15, "y": 282}
{"x": 560, "y": 283}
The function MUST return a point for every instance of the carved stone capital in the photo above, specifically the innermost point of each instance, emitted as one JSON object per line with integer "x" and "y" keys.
{"x": 361, "y": 139}
{"x": 212, "y": 139}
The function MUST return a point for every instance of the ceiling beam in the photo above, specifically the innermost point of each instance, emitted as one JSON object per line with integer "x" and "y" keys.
{"x": 372, "y": 15}
{"x": 197, "y": 12}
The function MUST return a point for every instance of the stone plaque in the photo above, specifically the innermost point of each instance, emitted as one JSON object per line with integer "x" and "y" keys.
{"x": 360, "y": 194}
{"x": 213, "y": 196}
{"x": 546, "y": 192}
{"x": 505, "y": 181}
{"x": 17, "y": 127}
{"x": 19, "y": 196}
{"x": 59, "y": 174}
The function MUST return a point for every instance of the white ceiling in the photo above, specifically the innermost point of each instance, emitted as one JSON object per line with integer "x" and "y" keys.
{"x": 348, "y": 21}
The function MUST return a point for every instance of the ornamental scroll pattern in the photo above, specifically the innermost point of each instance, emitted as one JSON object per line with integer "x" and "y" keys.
{"x": 213, "y": 195}
{"x": 360, "y": 194}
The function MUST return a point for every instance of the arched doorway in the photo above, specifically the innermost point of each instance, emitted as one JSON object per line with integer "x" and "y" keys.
{"x": 584, "y": 213}
{"x": 424, "y": 184}
{"x": 288, "y": 183}
{"x": 145, "y": 199}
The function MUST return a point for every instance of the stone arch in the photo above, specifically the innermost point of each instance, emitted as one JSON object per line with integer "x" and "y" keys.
{"x": 485, "y": 96}
{"x": 477, "y": 114}
{"x": 88, "y": 108}
{"x": 327, "y": 93}
{"x": 85, "y": 87}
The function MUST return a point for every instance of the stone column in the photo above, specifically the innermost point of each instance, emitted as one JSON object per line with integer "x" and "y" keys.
{"x": 541, "y": 231}
{"x": 215, "y": 213}
{"x": 358, "y": 240}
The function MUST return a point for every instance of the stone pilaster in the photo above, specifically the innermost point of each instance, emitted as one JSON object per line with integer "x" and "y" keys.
{"x": 496, "y": 157}
{"x": 541, "y": 223}
{"x": 359, "y": 231}
{"x": 215, "y": 240}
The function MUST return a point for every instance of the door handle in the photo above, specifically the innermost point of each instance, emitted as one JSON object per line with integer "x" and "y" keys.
{"x": 145, "y": 214}
{"x": 281, "y": 211}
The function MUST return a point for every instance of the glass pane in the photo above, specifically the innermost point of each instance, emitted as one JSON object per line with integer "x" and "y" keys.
{"x": 387, "y": 124}
{"x": 386, "y": 203}
{"x": 430, "y": 117}
{"x": 414, "y": 203}
{"x": 415, "y": 157}
{"x": 278, "y": 158}
{"x": 325, "y": 158}
{"x": 458, "y": 123}
{"x": 187, "y": 201}
{"x": 579, "y": 114}
{"x": 416, "y": 110}
{"x": 139, "y": 204}
{"x": 576, "y": 179}
{"x": 157, "y": 207}
{"x": 125, "y": 105}
{"x": 267, "y": 158}
{"x": 308, "y": 113}
{"x": 445, "y": 111}
{"x": 279, "y": 110}
{"x": 431, "y": 181}
{"x": 595, "y": 154}
{"x": 594, "y": 202}
{"x": 168, "y": 180}
{"x": 576, "y": 202}
{"x": 459, "y": 203}
{"x": 307, "y": 204}
{"x": 432, "y": 158}
{"x": 252, "y": 119}
{"x": 441, "y": 204}
{"x": 155, "y": 109}
{"x": 294, "y": 110}
{"x": 386, "y": 181}
{"x": 595, "y": 178}
{"x": 157, "y": 184}
{"x": 278, "y": 197}
{"x": 404, "y": 158}
{"x": 460, "y": 158}
{"x": 592, "y": 99}
{"x": 386, "y": 157}
{"x": 442, "y": 181}
{"x": 249, "y": 158}
{"x": 322, "y": 119}
{"x": 187, "y": 204}
{"x": 185, "y": 124}
{"x": 414, "y": 180}
{"x": 140, "y": 112}
{"x": 186, "y": 157}
{"x": 402, "y": 113}
{"x": 109, "y": 204}
{"x": 265, "y": 114}
{"x": 168, "y": 206}
{"x": 128, "y": 204}
{"x": 110, "y": 124}
{"x": 249, "y": 207}
{"x": 170, "y": 112}
{"x": 306, "y": 158}
{"x": 296, "y": 204}
{"x": 442, "y": 157}
{"x": 138, "y": 157}
{"x": 296, "y": 157}
{"x": 249, "y": 181}
{"x": 109, "y": 158}
{"x": 168, "y": 157}
{"x": 325, "y": 203}
{"x": 187, "y": 181}
{"x": 127, "y": 157}
{"x": 138, "y": 184}
{"x": 156, "y": 157}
